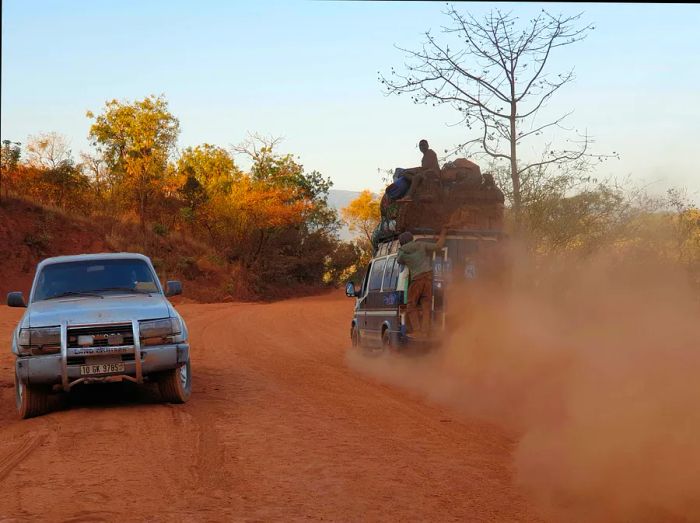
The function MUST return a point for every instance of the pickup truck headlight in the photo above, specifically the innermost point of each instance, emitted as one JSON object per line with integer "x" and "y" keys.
{"x": 160, "y": 331}
{"x": 41, "y": 340}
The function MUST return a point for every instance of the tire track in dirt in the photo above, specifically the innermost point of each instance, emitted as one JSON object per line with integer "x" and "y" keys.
{"x": 13, "y": 457}
{"x": 204, "y": 418}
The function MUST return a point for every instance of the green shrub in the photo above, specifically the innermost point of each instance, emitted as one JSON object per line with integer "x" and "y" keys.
{"x": 38, "y": 242}
{"x": 187, "y": 266}
{"x": 160, "y": 229}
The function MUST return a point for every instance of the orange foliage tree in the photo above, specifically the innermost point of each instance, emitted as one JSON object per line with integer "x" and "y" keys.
{"x": 136, "y": 140}
{"x": 270, "y": 227}
{"x": 362, "y": 216}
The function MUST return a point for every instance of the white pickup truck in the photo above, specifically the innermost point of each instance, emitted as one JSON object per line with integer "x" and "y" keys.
{"x": 98, "y": 318}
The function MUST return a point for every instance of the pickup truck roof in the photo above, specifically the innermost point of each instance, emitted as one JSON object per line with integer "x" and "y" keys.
{"x": 96, "y": 256}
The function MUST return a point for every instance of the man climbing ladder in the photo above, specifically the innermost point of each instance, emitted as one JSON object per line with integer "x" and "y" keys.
{"x": 417, "y": 257}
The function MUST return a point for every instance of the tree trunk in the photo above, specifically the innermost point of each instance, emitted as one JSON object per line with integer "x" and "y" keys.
{"x": 142, "y": 218}
{"x": 514, "y": 175}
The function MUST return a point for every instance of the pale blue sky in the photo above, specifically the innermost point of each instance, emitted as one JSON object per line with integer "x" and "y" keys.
{"x": 307, "y": 71}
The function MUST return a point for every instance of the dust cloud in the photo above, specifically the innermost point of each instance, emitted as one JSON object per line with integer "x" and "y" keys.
{"x": 595, "y": 365}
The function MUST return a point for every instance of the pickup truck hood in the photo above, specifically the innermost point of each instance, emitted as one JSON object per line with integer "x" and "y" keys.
{"x": 110, "y": 309}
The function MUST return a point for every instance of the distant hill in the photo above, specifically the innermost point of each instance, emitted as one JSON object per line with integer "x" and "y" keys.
{"x": 337, "y": 199}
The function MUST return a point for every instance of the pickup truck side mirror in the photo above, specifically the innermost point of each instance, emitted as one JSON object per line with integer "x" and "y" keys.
{"x": 15, "y": 299}
{"x": 350, "y": 290}
{"x": 173, "y": 288}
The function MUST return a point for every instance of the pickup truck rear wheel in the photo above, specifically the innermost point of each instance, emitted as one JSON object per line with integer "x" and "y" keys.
{"x": 30, "y": 400}
{"x": 176, "y": 385}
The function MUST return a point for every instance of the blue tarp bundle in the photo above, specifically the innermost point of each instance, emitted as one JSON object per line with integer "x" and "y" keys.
{"x": 399, "y": 188}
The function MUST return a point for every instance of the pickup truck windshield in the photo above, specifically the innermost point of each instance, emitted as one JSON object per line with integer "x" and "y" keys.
{"x": 94, "y": 277}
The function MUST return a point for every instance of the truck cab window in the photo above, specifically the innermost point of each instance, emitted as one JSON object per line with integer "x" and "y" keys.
{"x": 365, "y": 280}
{"x": 391, "y": 274}
{"x": 376, "y": 275}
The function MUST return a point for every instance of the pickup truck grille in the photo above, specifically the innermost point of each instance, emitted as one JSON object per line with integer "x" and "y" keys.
{"x": 101, "y": 335}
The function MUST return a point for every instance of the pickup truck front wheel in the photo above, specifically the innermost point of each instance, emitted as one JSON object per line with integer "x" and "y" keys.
{"x": 30, "y": 400}
{"x": 176, "y": 385}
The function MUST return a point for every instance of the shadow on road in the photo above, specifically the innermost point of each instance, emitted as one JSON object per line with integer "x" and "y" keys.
{"x": 108, "y": 394}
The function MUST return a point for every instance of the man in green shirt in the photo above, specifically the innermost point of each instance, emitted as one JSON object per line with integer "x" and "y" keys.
{"x": 417, "y": 256}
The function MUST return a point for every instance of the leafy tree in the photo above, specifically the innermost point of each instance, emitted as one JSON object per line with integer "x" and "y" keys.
{"x": 93, "y": 166}
{"x": 583, "y": 222}
{"x": 282, "y": 170}
{"x": 212, "y": 166}
{"x": 194, "y": 195}
{"x": 136, "y": 140}
{"x": 362, "y": 214}
{"x": 9, "y": 158}
{"x": 242, "y": 224}
{"x": 65, "y": 184}
{"x": 342, "y": 264}
{"x": 61, "y": 181}
{"x": 205, "y": 171}
{"x": 300, "y": 248}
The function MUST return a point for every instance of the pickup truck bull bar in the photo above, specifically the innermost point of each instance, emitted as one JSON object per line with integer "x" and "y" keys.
{"x": 67, "y": 384}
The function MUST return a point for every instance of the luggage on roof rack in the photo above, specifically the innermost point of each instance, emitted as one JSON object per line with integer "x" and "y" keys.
{"x": 458, "y": 195}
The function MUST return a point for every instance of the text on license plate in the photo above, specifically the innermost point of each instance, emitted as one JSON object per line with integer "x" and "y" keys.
{"x": 101, "y": 368}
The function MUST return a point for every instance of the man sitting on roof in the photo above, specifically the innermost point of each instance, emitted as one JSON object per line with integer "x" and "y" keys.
{"x": 429, "y": 165}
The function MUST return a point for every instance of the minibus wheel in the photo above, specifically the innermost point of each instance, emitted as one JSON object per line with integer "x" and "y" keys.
{"x": 355, "y": 336}
{"x": 386, "y": 339}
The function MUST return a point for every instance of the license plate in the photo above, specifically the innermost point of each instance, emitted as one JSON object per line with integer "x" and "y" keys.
{"x": 101, "y": 368}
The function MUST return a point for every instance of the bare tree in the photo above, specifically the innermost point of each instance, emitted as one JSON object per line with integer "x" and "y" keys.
{"x": 256, "y": 147}
{"x": 494, "y": 74}
{"x": 48, "y": 150}
{"x": 95, "y": 168}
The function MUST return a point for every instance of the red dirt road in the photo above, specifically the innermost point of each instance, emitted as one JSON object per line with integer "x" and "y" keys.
{"x": 278, "y": 428}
